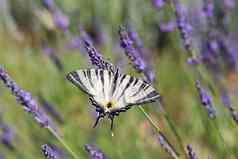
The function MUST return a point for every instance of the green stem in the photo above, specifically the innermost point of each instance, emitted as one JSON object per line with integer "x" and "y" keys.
{"x": 172, "y": 127}
{"x": 63, "y": 143}
{"x": 157, "y": 128}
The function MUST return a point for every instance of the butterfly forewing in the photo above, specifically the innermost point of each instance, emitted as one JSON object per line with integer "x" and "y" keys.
{"x": 87, "y": 80}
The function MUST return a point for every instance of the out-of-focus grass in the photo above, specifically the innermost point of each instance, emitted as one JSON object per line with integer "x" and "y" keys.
{"x": 34, "y": 72}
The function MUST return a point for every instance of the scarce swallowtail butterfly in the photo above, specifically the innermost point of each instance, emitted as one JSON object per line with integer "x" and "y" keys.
{"x": 112, "y": 92}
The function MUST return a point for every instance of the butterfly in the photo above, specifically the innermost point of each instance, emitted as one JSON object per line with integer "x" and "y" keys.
{"x": 112, "y": 92}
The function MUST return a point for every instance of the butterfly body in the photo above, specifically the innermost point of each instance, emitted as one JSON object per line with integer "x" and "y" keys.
{"x": 112, "y": 92}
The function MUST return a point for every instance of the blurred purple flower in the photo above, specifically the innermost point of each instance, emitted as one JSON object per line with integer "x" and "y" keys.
{"x": 193, "y": 60}
{"x": 143, "y": 54}
{"x": 208, "y": 8}
{"x": 74, "y": 43}
{"x": 94, "y": 152}
{"x": 7, "y": 137}
{"x": 227, "y": 103}
{"x": 61, "y": 21}
{"x": 167, "y": 27}
{"x": 29, "y": 104}
{"x": 127, "y": 44}
{"x": 183, "y": 26}
{"x": 206, "y": 100}
{"x": 2, "y": 156}
{"x": 230, "y": 4}
{"x": 229, "y": 57}
{"x": 49, "y": 4}
{"x": 7, "y": 134}
{"x": 191, "y": 153}
{"x": 51, "y": 109}
{"x": 51, "y": 52}
{"x": 158, "y": 4}
{"x": 166, "y": 146}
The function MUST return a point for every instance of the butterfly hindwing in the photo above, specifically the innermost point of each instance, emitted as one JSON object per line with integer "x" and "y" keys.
{"x": 140, "y": 92}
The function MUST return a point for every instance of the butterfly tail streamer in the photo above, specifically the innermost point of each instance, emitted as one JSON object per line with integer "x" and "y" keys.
{"x": 163, "y": 140}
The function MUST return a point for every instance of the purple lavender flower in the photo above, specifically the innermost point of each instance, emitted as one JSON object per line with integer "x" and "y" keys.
{"x": 96, "y": 58}
{"x": 49, "y": 4}
{"x": 51, "y": 109}
{"x": 7, "y": 134}
{"x": 29, "y": 104}
{"x": 48, "y": 152}
{"x": 51, "y": 52}
{"x": 158, "y": 4}
{"x": 74, "y": 43}
{"x": 228, "y": 55}
{"x": 131, "y": 52}
{"x": 52, "y": 152}
{"x": 227, "y": 103}
{"x": 61, "y": 21}
{"x": 94, "y": 152}
{"x": 208, "y": 9}
{"x": 2, "y": 156}
{"x": 183, "y": 26}
{"x": 167, "y": 27}
{"x": 230, "y": 4}
{"x": 148, "y": 71}
{"x": 191, "y": 153}
{"x": 206, "y": 100}
{"x": 194, "y": 61}
{"x": 7, "y": 137}
{"x": 166, "y": 146}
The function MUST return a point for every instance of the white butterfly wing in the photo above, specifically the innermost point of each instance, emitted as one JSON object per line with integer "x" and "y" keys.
{"x": 94, "y": 82}
{"x": 133, "y": 91}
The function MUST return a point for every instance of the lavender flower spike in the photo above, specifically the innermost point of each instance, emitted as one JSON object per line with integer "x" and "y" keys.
{"x": 96, "y": 58}
{"x": 183, "y": 26}
{"x": 131, "y": 52}
{"x": 29, "y": 104}
{"x": 191, "y": 153}
{"x": 53, "y": 152}
{"x": 227, "y": 103}
{"x": 51, "y": 109}
{"x": 8, "y": 135}
{"x": 158, "y": 4}
{"x": 166, "y": 146}
{"x": 94, "y": 152}
{"x": 206, "y": 100}
{"x": 48, "y": 152}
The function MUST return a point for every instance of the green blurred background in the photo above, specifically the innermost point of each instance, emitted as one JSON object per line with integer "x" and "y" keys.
{"x": 25, "y": 24}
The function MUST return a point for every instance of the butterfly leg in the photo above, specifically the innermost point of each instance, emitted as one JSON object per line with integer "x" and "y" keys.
{"x": 101, "y": 115}
{"x": 111, "y": 117}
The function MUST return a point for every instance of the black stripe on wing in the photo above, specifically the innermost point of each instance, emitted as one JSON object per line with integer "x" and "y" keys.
{"x": 129, "y": 82}
{"x": 101, "y": 74}
{"x": 141, "y": 93}
{"x": 76, "y": 80}
{"x": 149, "y": 98}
